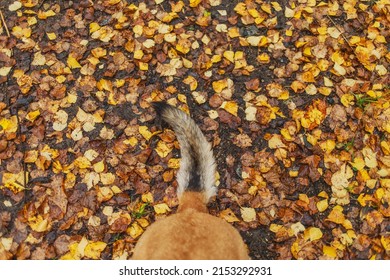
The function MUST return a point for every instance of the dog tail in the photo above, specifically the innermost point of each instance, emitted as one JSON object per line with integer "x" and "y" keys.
{"x": 197, "y": 166}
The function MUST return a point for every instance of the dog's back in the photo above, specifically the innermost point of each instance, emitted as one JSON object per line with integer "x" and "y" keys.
{"x": 191, "y": 233}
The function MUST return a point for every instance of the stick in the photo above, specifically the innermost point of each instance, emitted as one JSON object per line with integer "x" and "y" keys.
{"x": 342, "y": 33}
{"x": 4, "y": 23}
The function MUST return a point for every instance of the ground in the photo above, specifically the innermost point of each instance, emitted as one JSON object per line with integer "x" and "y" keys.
{"x": 293, "y": 95}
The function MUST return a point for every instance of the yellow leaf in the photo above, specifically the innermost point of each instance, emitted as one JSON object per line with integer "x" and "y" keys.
{"x": 325, "y": 91}
{"x": 340, "y": 178}
{"x": 5, "y": 70}
{"x": 323, "y": 194}
{"x": 163, "y": 149}
{"x": 46, "y": 14}
{"x": 39, "y": 59}
{"x": 144, "y": 131}
{"x": 72, "y": 62}
{"x": 230, "y": 107}
{"x": 336, "y": 215}
{"x": 347, "y": 99}
{"x": 143, "y": 222}
{"x": 229, "y": 55}
{"x": 9, "y": 125}
{"x": 266, "y": 8}
{"x": 94, "y": 249}
{"x": 312, "y": 233}
{"x": 147, "y": 197}
{"x": 329, "y": 251}
{"x": 288, "y": 13}
{"x": 385, "y": 241}
{"x": 99, "y": 166}
{"x": 311, "y": 89}
{"x": 248, "y": 214}
{"x": 93, "y": 27}
{"x": 233, "y": 32}
{"x": 31, "y": 116}
{"x": 286, "y": 134}
{"x": 275, "y": 228}
{"x": 15, "y": 6}
{"x": 363, "y": 199}
{"x": 369, "y": 157}
{"x": 182, "y": 48}
{"x": 254, "y": 40}
{"x": 333, "y": 32}
{"x": 194, "y": 3}
{"x": 38, "y": 223}
{"x": 174, "y": 163}
{"x": 385, "y": 147}
{"x": 340, "y": 70}
{"x": 138, "y": 54}
{"x": 132, "y": 141}
{"x": 276, "y": 6}
{"x": 20, "y": 32}
{"x": 51, "y": 35}
{"x": 297, "y": 228}
{"x": 358, "y": 163}
{"x": 161, "y": 208}
{"x": 327, "y": 146}
{"x": 107, "y": 178}
{"x": 303, "y": 197}
{"x": 32, "y": 21}
{"x": 191, "y": 81}
{"x": 275, "y": 142}
{"x": 220, "y": 85}
{"x": 119, "y": 83}
{"x": 148, "y": 43}
{"x": 134, "y": 230}
{"x": 104, "y": 194}
{"x": 143, "y": 66}
{"x": 240, "y": 9}
{"x": 263, "y": 58}
{"x": 104, "y": 84}
{"x": 71, "y": 254}
{"x": 381, "y": 70}
{"x": 170, "y": 37}
{"x": 116, "y": 189}
{"x": 228, "y": 216}
{"x": 82, "y": 162}
{"x": 322, "y": 205}
{"x": 14, "y": 182}
{"x": 99, "y": 52}
{"x": 113, "y": 2}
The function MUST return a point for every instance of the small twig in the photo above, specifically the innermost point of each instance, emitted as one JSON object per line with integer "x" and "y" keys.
{"x": 4, "y": 23}
{"x": 40, "y": 6}
{"x": 342, "y": 33}
{"x": 23, "y": 144}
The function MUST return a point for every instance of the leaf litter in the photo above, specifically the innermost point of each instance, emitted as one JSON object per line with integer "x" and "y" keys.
{"x": 293, "y": 95}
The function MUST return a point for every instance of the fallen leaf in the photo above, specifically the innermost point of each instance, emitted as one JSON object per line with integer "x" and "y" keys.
{"x": 161, "y": 208}
{"x": 248, "y": 214}
{"x": 228, "y": 216}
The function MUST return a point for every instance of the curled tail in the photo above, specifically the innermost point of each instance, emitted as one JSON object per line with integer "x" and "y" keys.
{"x": 197, "y": 165}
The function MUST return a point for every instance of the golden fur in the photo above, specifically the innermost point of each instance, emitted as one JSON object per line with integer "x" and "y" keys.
{"x": 191, "y": 233}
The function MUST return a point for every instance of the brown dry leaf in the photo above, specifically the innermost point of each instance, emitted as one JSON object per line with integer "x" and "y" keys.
{"x": 242, "y": 141}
